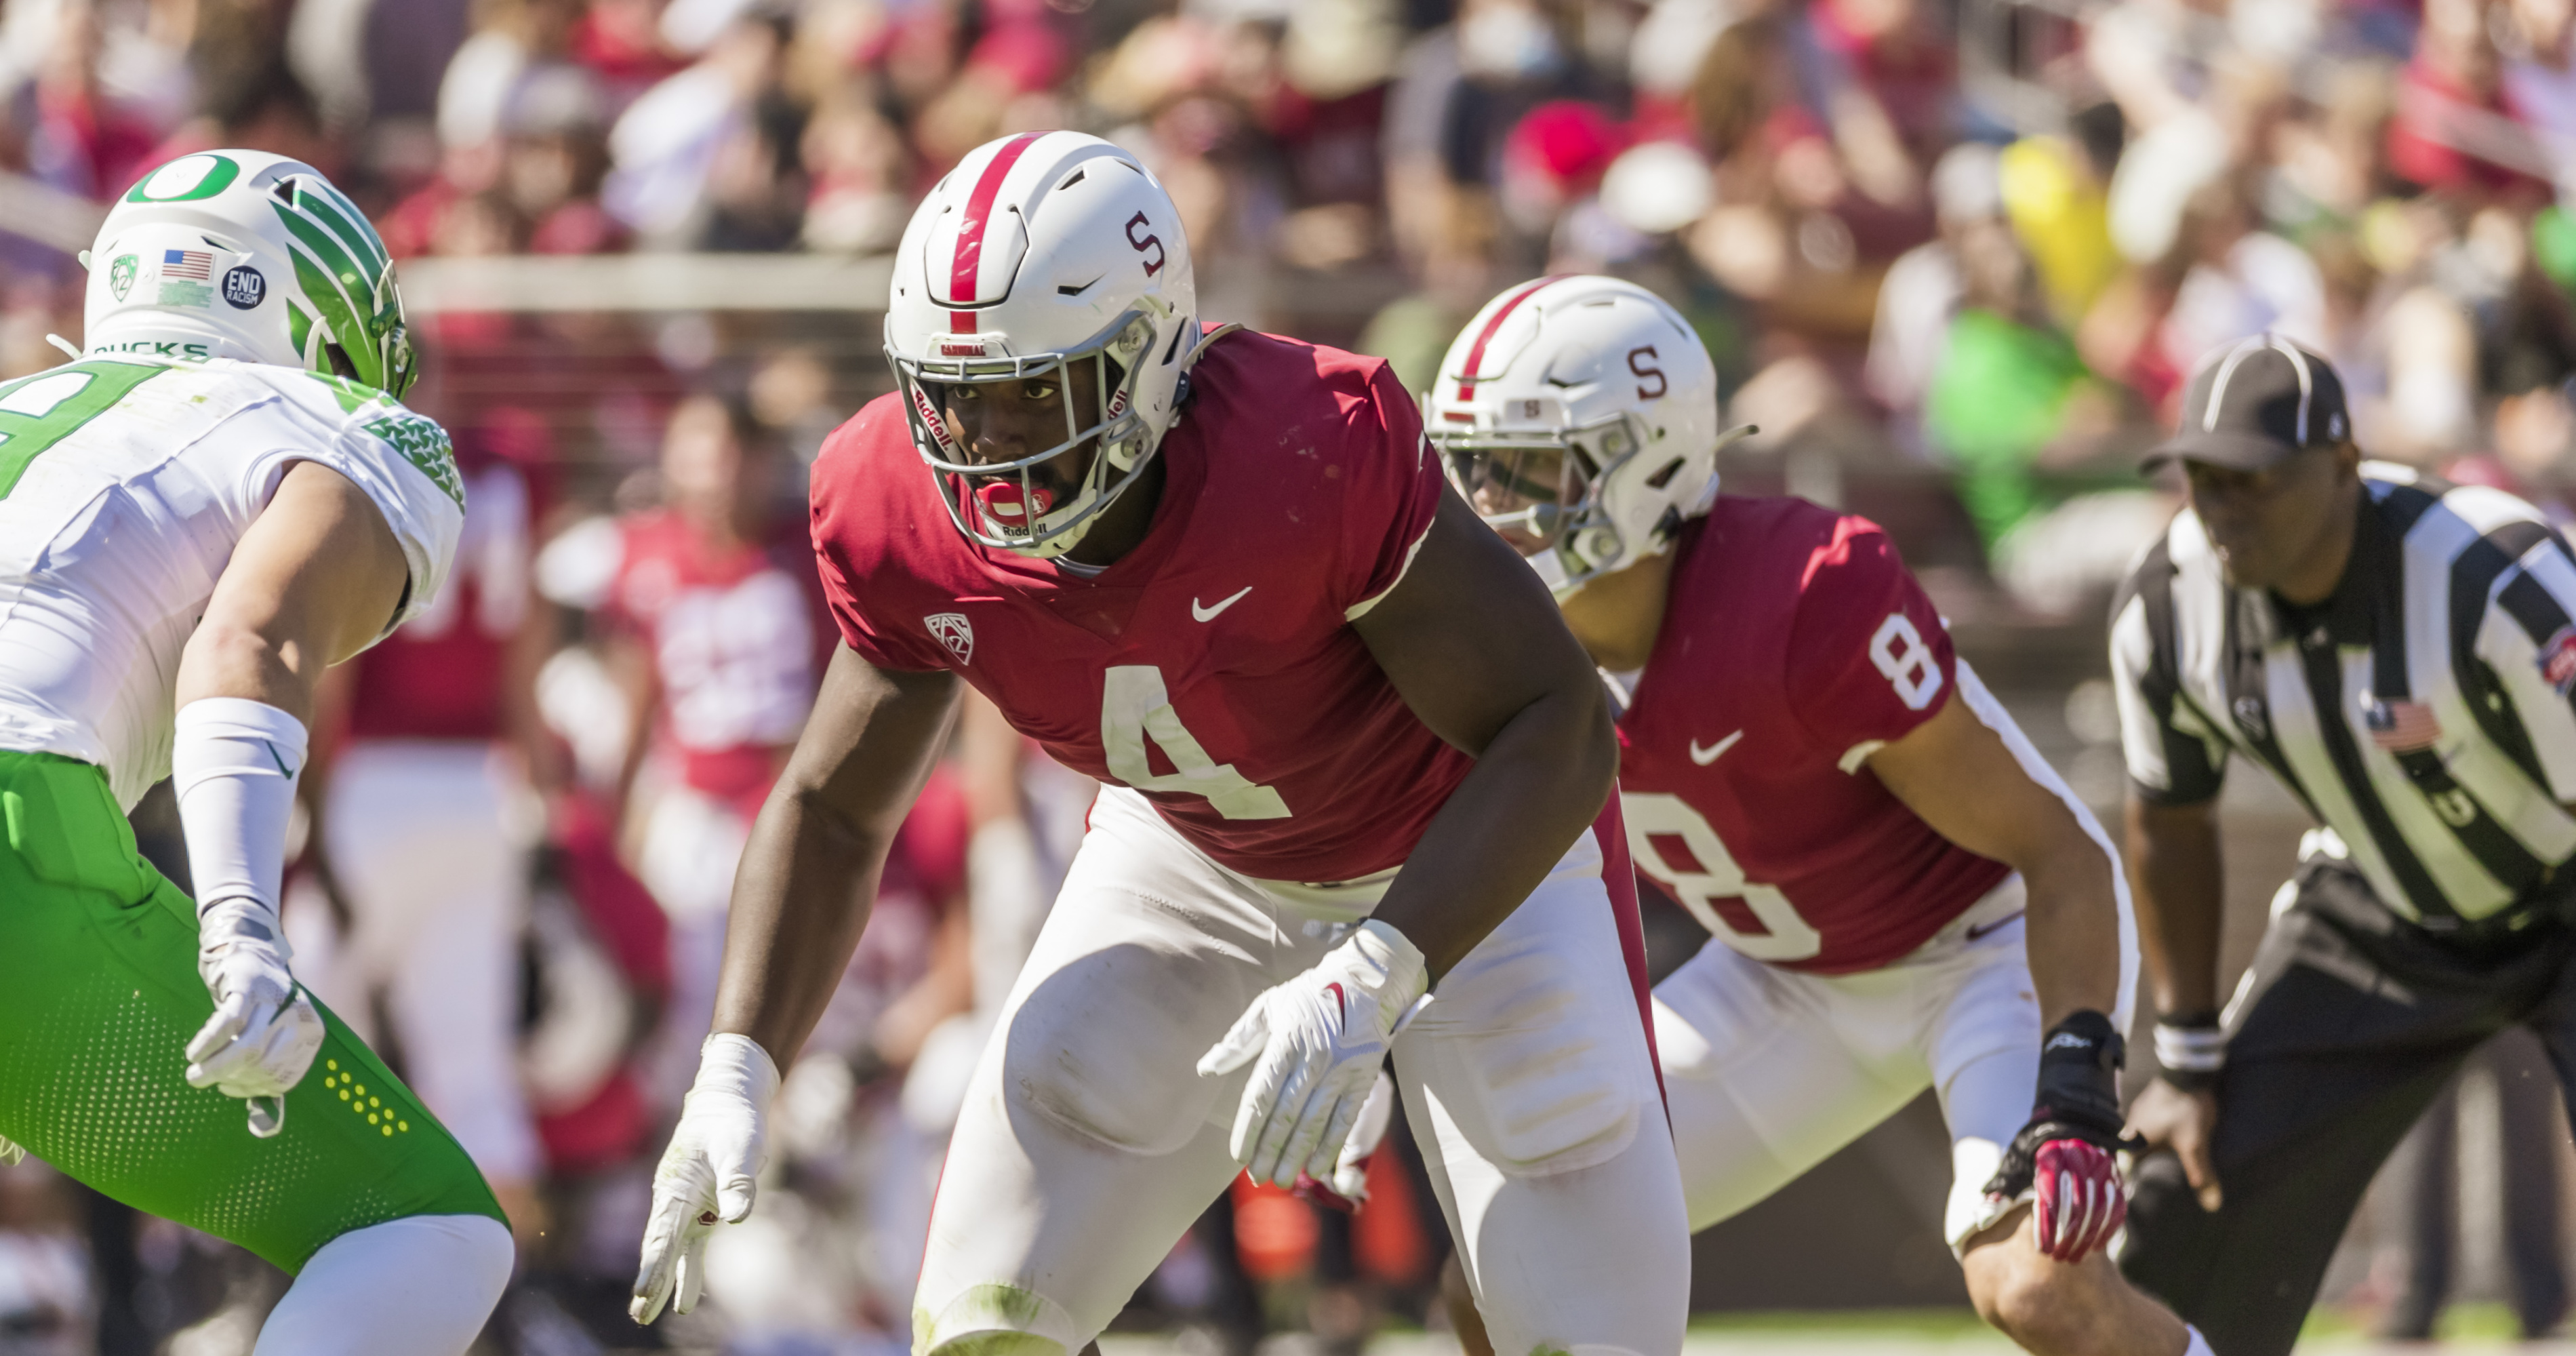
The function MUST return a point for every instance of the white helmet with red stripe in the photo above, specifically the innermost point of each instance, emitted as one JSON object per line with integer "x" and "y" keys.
{"x": 1037, "y": 252}
{"x": 1579, "y": 416}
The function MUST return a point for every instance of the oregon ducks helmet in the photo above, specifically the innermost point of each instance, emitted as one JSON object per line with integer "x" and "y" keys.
{"x": 248, "y": 255}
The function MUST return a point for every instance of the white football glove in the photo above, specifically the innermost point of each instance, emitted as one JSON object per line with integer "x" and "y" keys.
{"x": 1320, "y": 1039}
{"x": 1350, "y": 1169}
{"x": 1348, "y": 1189}
{"x": 265, "y": 1030}
{"x": 708, "y": 1173}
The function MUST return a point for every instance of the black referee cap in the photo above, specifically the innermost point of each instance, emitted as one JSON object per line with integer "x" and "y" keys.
{"x": 2254, "y": 403}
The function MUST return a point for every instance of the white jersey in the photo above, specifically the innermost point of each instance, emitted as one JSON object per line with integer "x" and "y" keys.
{"x": 123, "y": 490}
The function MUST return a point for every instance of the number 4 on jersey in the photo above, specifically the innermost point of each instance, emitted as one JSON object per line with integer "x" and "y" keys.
{"x": 1135, "y": 706}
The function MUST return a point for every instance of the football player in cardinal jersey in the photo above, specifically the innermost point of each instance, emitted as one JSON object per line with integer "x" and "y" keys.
{"x": 1903, "y": 894}
{"x": 1352, "y": 763}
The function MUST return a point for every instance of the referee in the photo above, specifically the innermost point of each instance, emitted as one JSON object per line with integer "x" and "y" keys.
{"x": 2398, "y": 652}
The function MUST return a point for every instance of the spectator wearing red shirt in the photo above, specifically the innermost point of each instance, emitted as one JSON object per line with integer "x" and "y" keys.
{"x": 717, "y": 628}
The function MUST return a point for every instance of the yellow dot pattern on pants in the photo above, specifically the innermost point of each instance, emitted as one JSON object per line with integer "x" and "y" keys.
{"x": 355, "y": 1094}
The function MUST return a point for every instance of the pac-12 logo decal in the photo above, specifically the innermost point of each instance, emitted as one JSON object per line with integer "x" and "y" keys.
{"x": 955, "y": 632}
{"x": 244, "y": 287}
{"x": 120, "y": 275}
{"x": 2558, "y": 660}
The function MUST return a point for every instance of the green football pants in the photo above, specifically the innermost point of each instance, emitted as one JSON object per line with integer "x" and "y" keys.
{"x": 99, "y": 996}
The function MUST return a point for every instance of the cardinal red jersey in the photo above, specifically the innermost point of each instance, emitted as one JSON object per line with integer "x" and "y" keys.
{"x": 1214, "y": 667}
{"x": 1794, "y": 644}
{"x": 736, "y": 641}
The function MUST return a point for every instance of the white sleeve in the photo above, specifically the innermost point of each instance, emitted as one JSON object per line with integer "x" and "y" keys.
{"x": 2173, "y": 758}
{"x": 403, "y": 462}
{"x": 2527, "y": 640}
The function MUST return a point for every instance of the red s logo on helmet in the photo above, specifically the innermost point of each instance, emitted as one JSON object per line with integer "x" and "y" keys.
{"x": 1150, "y": 242}
{"x": 1646, "y": 370}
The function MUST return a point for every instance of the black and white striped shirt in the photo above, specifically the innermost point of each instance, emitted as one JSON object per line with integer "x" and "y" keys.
{"x": 2422, "y": 713}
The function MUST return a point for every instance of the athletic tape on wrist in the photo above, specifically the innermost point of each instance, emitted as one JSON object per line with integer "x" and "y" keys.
{"x": 233, "y": 763}
{"x": 2193, "y": 1049}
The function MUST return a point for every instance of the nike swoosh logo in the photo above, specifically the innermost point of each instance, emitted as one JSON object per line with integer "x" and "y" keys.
{"x": 1975, "y": 933}
{"x": 1208, "y": 614}
{"x": 1708, "y": 755}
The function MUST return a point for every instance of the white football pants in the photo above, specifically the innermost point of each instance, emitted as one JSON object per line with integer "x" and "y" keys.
{"x": 1088, "y": 1142}
{"x": 437, "y": 894}
{"x": 1770, "y": 1071}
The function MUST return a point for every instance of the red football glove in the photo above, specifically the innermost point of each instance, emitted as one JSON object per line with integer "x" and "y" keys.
{"x": 2079, "y": 1198}
{"x": 2062, "y": 1161}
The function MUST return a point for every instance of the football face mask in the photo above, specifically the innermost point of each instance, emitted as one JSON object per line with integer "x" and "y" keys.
{"x": 1033, "y": 504}
{"x": 1541, "y": 492}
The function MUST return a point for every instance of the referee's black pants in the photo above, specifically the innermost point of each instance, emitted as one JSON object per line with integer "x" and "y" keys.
{"x": 2353, "y": 1022}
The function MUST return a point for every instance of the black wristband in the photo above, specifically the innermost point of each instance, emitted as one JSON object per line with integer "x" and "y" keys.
{"x": 2190, "y": 1080}
{"x": 2079, "y": 1072}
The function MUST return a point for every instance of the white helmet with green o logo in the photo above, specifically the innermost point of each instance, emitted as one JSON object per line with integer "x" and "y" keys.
{"x": 247, "y": 255}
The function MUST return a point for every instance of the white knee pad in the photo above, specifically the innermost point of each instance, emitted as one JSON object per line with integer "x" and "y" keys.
{"x": 1098, "y": 1049}
{"x": 1538, "y": 1060}
{"x": 418, "y": 1286}
{"x": 993, "y": 1320}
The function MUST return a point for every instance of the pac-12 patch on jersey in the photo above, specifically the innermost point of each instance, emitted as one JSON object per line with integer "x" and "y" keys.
{"x": 955, "y": 632}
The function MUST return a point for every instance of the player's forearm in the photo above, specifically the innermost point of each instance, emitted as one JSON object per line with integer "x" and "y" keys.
{"x": 228, "y": 660}
{"x": 2073, "y": 930}
{"x": 1539, "y": 784}
{"x": 2176, "y": 881}
{"x": 800, "y": 900}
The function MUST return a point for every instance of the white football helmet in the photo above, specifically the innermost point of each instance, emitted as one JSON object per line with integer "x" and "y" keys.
{"x": 1039, "y": 251}
{"x": 247, "y": 255}
{"x": 1588, "y": 407}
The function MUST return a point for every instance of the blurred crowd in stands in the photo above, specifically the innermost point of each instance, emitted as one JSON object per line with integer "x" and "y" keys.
{"x": 1955, "y": 257}
{"x": 1993, "y": 233}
